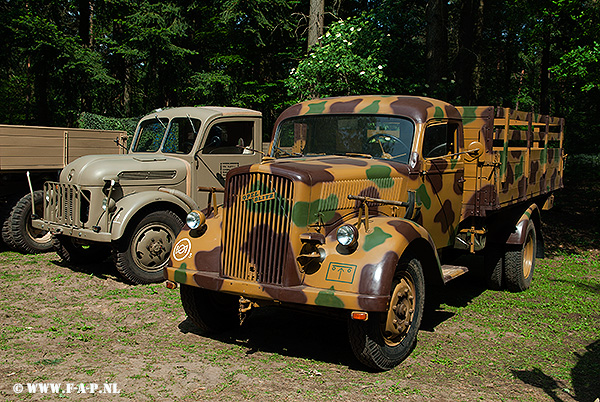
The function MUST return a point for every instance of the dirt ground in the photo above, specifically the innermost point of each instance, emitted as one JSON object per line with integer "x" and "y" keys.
{"x": 66, "y": 324}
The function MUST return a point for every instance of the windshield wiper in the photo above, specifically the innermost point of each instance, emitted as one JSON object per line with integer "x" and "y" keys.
{"x": 160, "y": 121}
{"x": 286, "y": 152}
{"x": 359, "y": 155}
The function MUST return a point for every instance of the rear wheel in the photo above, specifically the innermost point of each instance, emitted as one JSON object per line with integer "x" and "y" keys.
{"x": 209, "y": 310}
{"x": 493, "y": 260}
{"x": 386, "y": 339}
{"x": 144, "y": 252}
{"x": 6, "y": 233}
{"x": 28, "y": 239}
{"x": 520, "y": 262}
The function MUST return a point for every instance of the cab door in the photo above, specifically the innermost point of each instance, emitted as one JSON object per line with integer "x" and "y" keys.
{"x": 227, "y": 144}
{"x": 442, "y": 177}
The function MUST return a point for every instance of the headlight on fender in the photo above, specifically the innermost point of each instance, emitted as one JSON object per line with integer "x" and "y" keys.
{"x": 195, "y": 219}
{"x": 108, "y": 204}
{"x": 347, "y": 235}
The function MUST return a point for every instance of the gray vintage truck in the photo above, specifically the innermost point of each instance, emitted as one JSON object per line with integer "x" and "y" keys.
{"x": 30, "y": 156}
{"x": 135, "y": 204}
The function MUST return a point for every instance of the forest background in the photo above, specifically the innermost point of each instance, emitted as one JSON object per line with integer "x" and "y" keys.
{"x": 87, "y": 62}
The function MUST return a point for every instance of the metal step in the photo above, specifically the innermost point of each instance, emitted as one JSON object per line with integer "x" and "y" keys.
{"x": 453, "y": 271}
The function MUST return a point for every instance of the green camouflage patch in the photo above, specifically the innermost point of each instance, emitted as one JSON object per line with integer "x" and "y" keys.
{"x": 422, "y": 196}
{"x": 180, "y": 274}
{"x": 316, "y": 107}
{"x": 375, "y": 238}
{"x": 380, "y": 174}
{"x": 329, "y": 299}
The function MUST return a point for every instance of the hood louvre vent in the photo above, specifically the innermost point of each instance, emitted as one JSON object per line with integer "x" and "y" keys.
{"x": 388, "y": 188}
{"x": 148, "y": 175}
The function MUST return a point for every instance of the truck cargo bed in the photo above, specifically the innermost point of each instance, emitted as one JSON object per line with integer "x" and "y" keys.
{"x": 523, "y": 158}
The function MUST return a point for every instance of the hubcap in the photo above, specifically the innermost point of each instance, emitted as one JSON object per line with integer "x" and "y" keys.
{"x": 402, "y": 308}
{"x": 37, "y": 235}
{"x": 528, "y": 251}
{"x": 152, "y": 246}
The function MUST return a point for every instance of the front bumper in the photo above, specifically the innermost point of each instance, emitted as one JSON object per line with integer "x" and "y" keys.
{"x": 80, "y": 233}
{"x": 300, "y": 294}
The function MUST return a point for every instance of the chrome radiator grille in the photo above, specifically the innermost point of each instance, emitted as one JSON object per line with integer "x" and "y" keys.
{"x": 256, "y": 225}
{"x": 62, "y": 203}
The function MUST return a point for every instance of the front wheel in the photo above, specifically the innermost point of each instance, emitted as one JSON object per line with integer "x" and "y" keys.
{"x": 210, "y": 311}
{"x": 27, "y": 239}
{"x": 143, "y": 253}
{"x": 386, "y": 339}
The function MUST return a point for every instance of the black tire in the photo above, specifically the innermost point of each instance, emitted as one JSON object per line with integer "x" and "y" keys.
{"x": 520, "y": 262}
{"x": 493, "y": 261}
{"x": 210, "y": 311}
{"x": 371, "y": 342}
{"x": 27, "y": 239}
{"x": 75, "y": 252}
{"x": 6, "y": 233}
{"x": 143, "y": 252}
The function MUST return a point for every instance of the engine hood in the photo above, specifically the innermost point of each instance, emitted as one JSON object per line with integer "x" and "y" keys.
{"x": 130, "y": 169}
{"x": 314, "y": 170}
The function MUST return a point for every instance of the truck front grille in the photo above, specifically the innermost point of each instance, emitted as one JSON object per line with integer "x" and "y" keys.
{"x": 256, "y": 224}
{"x": 62, "y": 203}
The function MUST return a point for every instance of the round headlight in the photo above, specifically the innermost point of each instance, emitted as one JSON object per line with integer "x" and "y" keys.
{"x": 347, "y": 235}
{"x": 108, "y": 204}
{"x": 195, "y": 219}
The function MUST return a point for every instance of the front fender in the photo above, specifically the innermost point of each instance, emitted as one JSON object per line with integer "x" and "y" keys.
{"x": 369, "y": 269}
{"x": 131, "y": 204}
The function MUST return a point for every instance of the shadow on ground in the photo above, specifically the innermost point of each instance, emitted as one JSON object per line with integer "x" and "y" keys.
{"x": 103, "y": 269}
{"x": 290, "y": 333}
{"x": 584, "y": 377}
{"x": 586, "y": 374}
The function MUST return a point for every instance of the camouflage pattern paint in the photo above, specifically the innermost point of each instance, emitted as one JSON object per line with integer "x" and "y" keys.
{"x": 275, "y": 236}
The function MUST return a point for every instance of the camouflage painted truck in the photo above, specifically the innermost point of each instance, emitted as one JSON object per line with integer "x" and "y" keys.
{"x": 362, "y": 209}
{"x": 135, "y": 204}
{"x": 32, "y": 154}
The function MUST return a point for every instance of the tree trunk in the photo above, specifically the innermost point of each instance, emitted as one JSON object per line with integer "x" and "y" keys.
{"x": 85, "y": 22}
{"x": 315, "y": 21}
{"x": 437, "y": 47}
{"x": 468, "y": 56}
{"x": 545, "y": 77}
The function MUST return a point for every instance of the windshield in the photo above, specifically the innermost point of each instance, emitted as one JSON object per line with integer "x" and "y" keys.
{"x": 180, "y": 136}
{"x": 150, "y": 135}
{"x": 377, "y": 136}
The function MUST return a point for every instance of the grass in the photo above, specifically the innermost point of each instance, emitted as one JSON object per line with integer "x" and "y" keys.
{"x": 61, "y": 324}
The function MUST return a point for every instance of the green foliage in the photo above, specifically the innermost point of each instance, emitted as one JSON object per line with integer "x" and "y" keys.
{"x": 138, "y": 55}
{"x": 347, "y": 60}
{"x": 582, "y": 62}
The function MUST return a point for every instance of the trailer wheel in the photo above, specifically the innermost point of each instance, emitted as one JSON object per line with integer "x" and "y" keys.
{"x": 210, "y": 311}
{"x": 520, "y": 262}
{"x": 27, "y": 239}
{"x": 386, "y": 339}
{"x": 493, "y": 261}
{"x": 75, "y": 252}
{"x": 143, "y": 253}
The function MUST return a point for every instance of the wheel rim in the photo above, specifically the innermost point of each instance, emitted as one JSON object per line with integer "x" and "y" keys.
{"x": 151, "y": 246}
{"x": 401, "y": 311}
{"x": 528, "y": 252}
{"x": 37, "y": 235}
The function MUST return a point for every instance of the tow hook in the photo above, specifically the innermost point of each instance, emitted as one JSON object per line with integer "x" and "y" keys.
{"x": 245, "y": 306}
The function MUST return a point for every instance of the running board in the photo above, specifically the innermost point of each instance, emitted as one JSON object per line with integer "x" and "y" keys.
{"x": 452, "y": 272}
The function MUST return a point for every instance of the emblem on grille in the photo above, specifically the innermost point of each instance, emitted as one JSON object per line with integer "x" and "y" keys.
{"x": 257, "y": 197}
